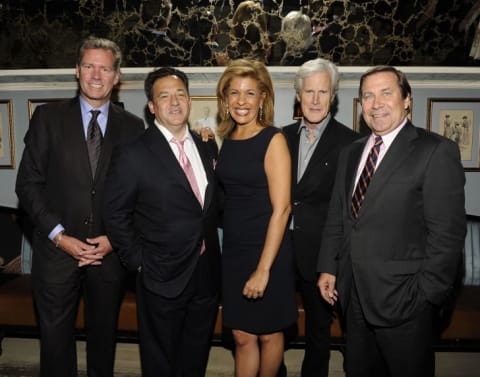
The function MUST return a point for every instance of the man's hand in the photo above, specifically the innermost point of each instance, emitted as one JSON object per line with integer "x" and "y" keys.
{"x": 94, "y": 256}
{"x": 87, "y": 253}
{"x": 326, "y": 284}
{"x": 206, "y": 133}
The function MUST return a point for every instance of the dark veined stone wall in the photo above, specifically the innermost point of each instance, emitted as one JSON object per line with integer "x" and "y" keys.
{"x": 46, "y": 33}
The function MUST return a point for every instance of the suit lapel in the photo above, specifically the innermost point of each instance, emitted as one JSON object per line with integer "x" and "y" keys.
{"x": 400, "y": 150}
{"x": 352, "y": 166}
{"x": 294, "y": 140}
{"x": 324, "y": 145}
{"x": 207, "y": 161}
{"x": 160, "y": 147}
{"x": 112, "y": 133}
{"x": 75, "y": 138}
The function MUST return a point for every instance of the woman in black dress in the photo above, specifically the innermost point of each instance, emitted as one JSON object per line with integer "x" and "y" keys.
{"x": 254, "y": 171}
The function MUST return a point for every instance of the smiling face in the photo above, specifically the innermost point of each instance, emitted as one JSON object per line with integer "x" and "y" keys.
{"x": 96, "y": 76}
{"x": 171, "y": 104}
{"x": 244, "y": 99}
{"x": 383, "y": 107}
{"x": 315, "y": 97}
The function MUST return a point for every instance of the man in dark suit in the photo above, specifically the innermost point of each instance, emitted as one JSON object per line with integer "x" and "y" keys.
{"x": 61, "y": 188}
{"x": 162, "y": 215}
{"x": 315, "y": 142}
{"x": 392, "y": 244}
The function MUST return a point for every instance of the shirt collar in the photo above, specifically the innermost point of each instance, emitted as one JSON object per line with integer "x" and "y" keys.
{"x": 318, "y": 128}
{"x": 86, "y": 107}
{"x": 390, "y": 137}
{"x": 168, "y": 135}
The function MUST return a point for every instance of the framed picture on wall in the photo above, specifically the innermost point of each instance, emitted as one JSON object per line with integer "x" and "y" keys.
{"x": 204, "y": 113}
{"x": 458, "y": 119}
{"x": 7, "y": 139}
{"x": 359, "y": 124}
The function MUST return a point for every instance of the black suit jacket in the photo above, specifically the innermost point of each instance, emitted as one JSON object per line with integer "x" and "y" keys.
{"x": 405, "y": 247}
{"x": 55, "y": 183}
{"x": 311, "y": 195}
{"x": 153, "y": 217}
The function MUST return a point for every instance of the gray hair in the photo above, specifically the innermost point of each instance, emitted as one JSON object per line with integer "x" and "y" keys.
{"x": 313, "y": 66}
{"x": 106, "y": 44}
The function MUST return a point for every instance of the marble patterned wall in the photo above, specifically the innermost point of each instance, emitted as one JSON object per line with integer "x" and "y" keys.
{"x": 46, "y": 33}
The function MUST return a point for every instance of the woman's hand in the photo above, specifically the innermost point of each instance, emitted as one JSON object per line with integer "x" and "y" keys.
{"x": 257, "y": 283}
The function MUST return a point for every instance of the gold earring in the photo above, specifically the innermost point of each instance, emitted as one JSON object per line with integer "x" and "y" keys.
{"x": 260, "y": 113}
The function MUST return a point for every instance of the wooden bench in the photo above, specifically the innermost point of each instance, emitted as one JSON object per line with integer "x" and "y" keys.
{"x": 460, "y": 331}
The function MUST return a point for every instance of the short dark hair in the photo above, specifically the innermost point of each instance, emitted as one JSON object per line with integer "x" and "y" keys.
{"x": 161, "y": 73}
{"x": 401, "y": 79}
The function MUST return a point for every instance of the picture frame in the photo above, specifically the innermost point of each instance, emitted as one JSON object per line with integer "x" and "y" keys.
{"x": 34, "y": 102}
{"x": 359, "y": 124}
{"x": 458, "y": 119}
{"x": 204, "y": 113}
{"x": 7, "y": 137}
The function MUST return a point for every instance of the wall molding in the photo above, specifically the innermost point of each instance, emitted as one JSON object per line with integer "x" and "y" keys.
{"x": 207, "y": 77}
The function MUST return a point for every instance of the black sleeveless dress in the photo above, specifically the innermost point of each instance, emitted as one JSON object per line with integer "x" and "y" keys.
{"x": 247, "y": 211}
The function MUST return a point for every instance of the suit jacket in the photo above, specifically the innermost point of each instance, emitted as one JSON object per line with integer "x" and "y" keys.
{"x": 154, "y": 218}
{"x": 55, "y": 183}
{"x": 311, "y": 195}
{"x": 405, "y": 247}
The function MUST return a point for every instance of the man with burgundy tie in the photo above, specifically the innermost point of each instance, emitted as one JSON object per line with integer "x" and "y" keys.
{"x": 392, "y": 248}
{"x": 162, "y": 216}
{"x": 60, "y": 185}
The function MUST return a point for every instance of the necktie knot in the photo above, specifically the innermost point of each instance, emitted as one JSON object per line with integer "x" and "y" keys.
{"x": 178, "y": 143}
{"x": 95, "y": 114}
{"x": 310, "y": 135}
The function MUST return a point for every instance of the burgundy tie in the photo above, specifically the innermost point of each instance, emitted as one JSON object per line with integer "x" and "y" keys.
{"x": 367, "y": 173}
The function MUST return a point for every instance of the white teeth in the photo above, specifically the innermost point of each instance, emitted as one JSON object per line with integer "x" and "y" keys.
{"x": 241, "y": 112}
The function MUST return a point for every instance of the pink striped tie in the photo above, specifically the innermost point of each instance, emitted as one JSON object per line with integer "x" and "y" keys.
{"x": 188, "y": 169}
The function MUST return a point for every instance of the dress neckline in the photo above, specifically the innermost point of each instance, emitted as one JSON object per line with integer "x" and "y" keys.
{"x": 251, "y": 137}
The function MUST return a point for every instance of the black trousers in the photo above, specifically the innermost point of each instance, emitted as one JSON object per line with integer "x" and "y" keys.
{"x": 403, "y": 350}
{"x": 56, "y": 308}
{"x": 175, "y": 334}
{"x": 318, "y": 319}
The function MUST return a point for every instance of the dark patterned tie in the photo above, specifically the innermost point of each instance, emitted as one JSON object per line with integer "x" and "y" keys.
{"x": 367, "y": 173}
{"x": 94, "y": 140}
